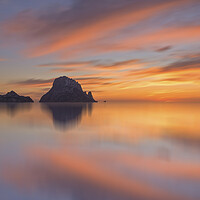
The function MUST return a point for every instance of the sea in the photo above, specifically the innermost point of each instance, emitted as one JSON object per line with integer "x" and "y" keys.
{"x": 100, "y": 151}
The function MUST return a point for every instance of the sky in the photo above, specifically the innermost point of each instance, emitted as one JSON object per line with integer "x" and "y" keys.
{"x": 135, "y": 50}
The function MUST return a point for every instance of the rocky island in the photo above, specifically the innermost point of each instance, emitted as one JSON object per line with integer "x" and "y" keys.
{"x": 65, "y": 89}
{"x": 13, "y": 97}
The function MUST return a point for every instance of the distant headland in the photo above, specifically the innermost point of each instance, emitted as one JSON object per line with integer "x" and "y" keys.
{"x": 64, "y": 89}
{"x": 13, "y": 97}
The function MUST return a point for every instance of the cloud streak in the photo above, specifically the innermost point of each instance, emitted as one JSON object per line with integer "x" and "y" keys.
{"x": 92, "y": 64}
{"x": 86, "y": 21}
{"x": 189, "y": 65}
{"x": 166, "y": 48}
{"x": 68, "y": 64}
{"x": 33, "y": 82}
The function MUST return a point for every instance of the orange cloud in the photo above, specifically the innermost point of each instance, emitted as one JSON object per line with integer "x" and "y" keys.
{"x": 69, "y": 64}
{"x": 155, "y": 38}
{"x": 33, "y": 82}
{"x": 187, "y": 65}
{"x": 168, "y": 35}
{"x": 64, "y": 69}
{"x": 104, "y": 26}
{"x": 118, "y": 65}
{"x": 94, "y": 65}
{"x": 69, "y": 32}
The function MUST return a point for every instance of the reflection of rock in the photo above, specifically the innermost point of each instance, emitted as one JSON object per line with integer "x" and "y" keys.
{"x": 66, "y": 90}
{"x": 14, "y": 98}
{"x": 89, "y": 108}
{"x": 66, "y": 114}
{"x": 13, "y": 108}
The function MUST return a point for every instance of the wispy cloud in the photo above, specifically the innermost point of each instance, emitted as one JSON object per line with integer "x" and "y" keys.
{"x": 180, "y": 66}
{"x": 59, "y": 70}
{"x": 92, "y": 64}
{"x": 118, "y": 65}
{"x": 154, "y": 38}
{"x": 87, "y": 21}
{"x": 164, "y": 48}
{"x": 69, "y": 64}
{"x": 33, "y": 82}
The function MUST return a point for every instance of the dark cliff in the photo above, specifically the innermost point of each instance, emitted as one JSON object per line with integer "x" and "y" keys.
{"x": 65, "y": 89}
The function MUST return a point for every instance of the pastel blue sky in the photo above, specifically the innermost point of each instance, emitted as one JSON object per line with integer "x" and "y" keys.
{"x": 120, "y": 50}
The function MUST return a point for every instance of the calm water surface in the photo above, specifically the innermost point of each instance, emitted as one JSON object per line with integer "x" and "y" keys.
{"x": 104, "y": 151}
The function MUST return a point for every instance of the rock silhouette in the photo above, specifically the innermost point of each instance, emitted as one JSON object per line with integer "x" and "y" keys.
{"x": 13, "y": 97}
{"x": 66, "y": 90}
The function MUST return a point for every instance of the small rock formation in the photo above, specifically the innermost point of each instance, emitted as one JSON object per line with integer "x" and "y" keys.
{"x": 13, "y": 97}
{"x": 66, "y": 90}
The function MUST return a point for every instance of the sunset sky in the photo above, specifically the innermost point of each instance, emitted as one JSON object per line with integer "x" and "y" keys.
{"x": 118, "y": 49}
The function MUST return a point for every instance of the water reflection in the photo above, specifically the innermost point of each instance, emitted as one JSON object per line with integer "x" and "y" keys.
{"x": 117, "y": 151}
{"x": 12, "y": 109}
{"x": 67, "y": 115}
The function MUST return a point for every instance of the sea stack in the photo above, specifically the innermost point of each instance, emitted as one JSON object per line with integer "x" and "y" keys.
{"x": 13, "y": 97}
{"x": 65, "y": 89}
